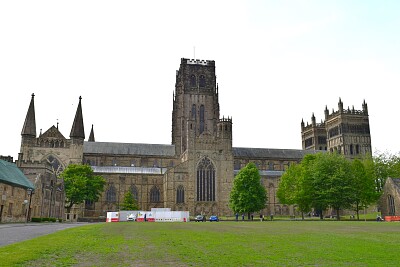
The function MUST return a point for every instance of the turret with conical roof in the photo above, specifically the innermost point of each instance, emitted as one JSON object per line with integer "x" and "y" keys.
{"x": 77, "y": 130}
{"x": 29, "y": 128}
{"x": 28, "y": 133}
{"x": 91, "y": 136}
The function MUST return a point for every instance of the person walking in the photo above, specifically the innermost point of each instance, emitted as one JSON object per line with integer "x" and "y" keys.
{"x": 261, "y": 217}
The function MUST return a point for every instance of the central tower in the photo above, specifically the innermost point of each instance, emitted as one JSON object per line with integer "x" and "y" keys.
{"x": 195, "y": 103}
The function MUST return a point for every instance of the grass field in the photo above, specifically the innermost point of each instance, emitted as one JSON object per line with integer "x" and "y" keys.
{"x": 280, "y": 243}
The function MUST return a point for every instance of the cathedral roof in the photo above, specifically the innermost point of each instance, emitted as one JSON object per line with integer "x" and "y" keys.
{"x": 396, "y": 181}
{"x": 271, "y": 153}
{"x": 120, "y": 169}
{"x": 52, "y": 133}
{"x": 264, "y": 172}
{"x": 10, "y": 174}
{"x": 128, "y": 149}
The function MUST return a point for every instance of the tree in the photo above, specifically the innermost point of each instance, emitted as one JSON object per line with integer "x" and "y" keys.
{"x": 81, "y": 184}
{"x": 385, "y": 165}
{"x": 247, "y": 195}
{"x": 129, "y": 202}
{"x": 334, "y": 176}
{"x": 291, "y": 190}
{"x": 364, "y": 186}
{"x": 320, "y": 181}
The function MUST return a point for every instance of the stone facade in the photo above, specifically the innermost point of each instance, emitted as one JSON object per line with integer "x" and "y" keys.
{"x": 13, "y": 206}
{"x": 195, "y": 172}
{"x": 15, "y": 193}
{"x": 345, "y": 131}
{"x": 390, "y": 199}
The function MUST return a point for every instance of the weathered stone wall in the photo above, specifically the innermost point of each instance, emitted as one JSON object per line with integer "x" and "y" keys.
{"x": 14, "y": 203}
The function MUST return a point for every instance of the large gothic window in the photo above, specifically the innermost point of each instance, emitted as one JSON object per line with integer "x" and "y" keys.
{"x": 154, "y": 194}
{"x": 392, "y": 209}
{"x": 111, "y": 194}
{"x": 202, "y": 81}
{"x": 205, "y": 180}
{"x": 193, "y": 81}
{"x": 180, "y": 194}
{"x": 201, "y": 118}
{"x": 134, "y": 192}
{"x": 56, "y": 166}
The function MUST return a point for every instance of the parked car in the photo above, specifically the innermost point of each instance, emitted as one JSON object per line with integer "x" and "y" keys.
{"x": 200, "y": 218}
{"x": 214, "y": 218}
{"x": 131, "y": 218}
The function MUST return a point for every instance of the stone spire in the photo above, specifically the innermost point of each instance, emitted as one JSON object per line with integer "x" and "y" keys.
{"x": 91, "y": 136}
{"x": 29, "y": 128}
{"x": 78, "y": 130}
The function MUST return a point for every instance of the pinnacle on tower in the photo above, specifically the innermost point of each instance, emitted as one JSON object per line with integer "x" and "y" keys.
{"x": 91, "y": 136}
{"x": 340, "y": 105}
{"x": 365, "y": 107}
{"x": 77, "y": 130}
{"x": 313, "y": 119}
{"x": 29, "y": 128}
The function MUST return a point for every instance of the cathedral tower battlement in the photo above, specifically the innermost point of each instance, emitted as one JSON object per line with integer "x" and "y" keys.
{"x": 345, "y": 131}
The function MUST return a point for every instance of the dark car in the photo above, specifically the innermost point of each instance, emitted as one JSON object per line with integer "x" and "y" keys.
{"x": 214, "y": 218}
{"x": 200, "y": 218}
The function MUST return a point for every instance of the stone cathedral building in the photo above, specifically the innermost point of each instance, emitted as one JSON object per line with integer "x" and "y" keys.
{"x": 196, "y": 171}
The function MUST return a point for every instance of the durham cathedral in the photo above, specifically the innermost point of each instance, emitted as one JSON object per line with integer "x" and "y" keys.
{"x": 195, "y": 172}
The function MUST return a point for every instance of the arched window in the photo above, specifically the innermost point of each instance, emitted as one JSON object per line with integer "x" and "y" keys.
{"x": 194, "y": 112}
{"x": 201, "y": 118}
{"x": 392, "y": 209}
{"x": 134, "y": 192}
{"x": 351, "y": 149}
{"x": 192, "y": 80}
{"x": 205, "y": 180}
{"x": 202, "y": 81}
{"x": 236, "y": 165}
{"x": 56, "y": 165}
{"x": 111, "y": 194}
{"x": 180, "y": 194}
{"x": 357, "y": 149}
{"x": 154, "y": 194}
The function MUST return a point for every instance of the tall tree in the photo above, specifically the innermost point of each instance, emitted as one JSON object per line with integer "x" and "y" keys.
{"x": 332, "y": 181}
{"x": 364, "y": 186}
{"x": 129, "y": 202}
{"x": 247, "y": 195}
{"x": 81, "y": 184}
{"x": 320, "y": 181}
{"x": 291, "y": 191}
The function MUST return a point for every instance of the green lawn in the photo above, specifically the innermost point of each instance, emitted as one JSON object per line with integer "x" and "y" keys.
{"x": 278, "y": 243}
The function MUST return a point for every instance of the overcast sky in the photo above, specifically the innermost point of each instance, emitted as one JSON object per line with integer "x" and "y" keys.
{"x": 277, "y": 62}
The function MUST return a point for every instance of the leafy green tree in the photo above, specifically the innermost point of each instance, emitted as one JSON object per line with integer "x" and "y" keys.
{"x": 364, "y": 185}
{"x": 291, "y": 190}
{"x": 332, "y": 182}
{"x": 320, "y": 181}
{"x": 129, "y": 202}
{"x": 385, "y": 165}
{"x": 81, "y": 184}
{"x": 247, "y": 195}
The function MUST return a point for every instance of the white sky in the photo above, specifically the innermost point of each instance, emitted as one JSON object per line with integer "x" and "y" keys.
{"x": 276, "y": 63}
